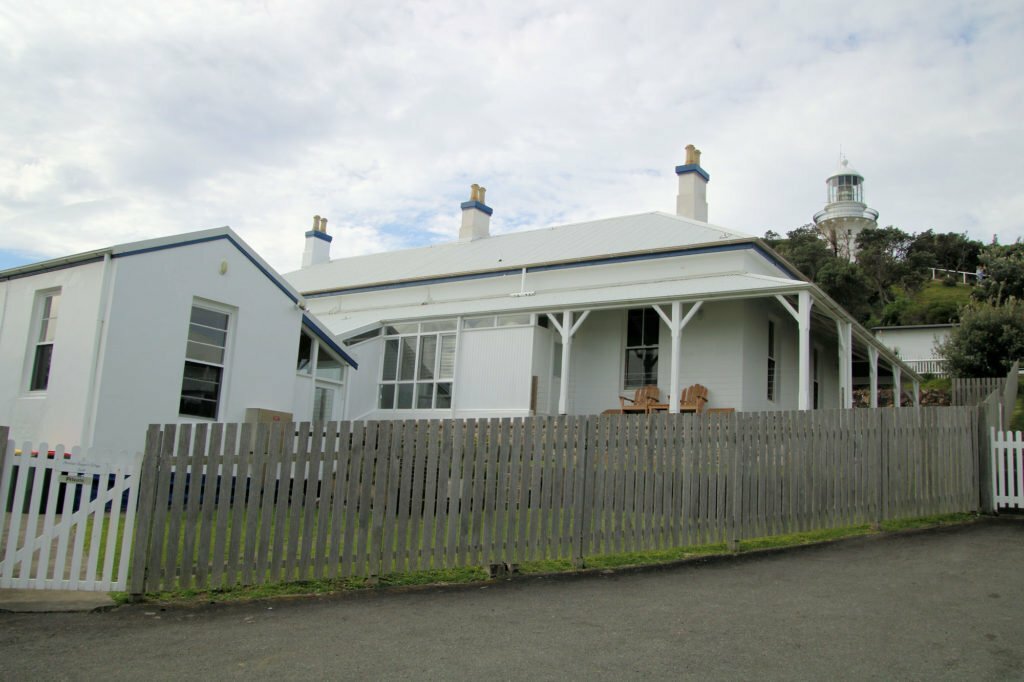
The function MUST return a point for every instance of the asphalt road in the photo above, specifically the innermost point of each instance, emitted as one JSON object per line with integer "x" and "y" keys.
{"x": 945, "y": 604}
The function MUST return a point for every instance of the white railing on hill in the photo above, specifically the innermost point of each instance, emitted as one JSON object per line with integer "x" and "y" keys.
{"x": 963, "y": 275}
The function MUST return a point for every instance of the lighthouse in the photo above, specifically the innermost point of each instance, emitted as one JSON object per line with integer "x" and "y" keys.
{"x": 845, "y": 214}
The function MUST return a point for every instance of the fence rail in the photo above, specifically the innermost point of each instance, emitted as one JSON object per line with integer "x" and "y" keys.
{"x": 242, "y": 504}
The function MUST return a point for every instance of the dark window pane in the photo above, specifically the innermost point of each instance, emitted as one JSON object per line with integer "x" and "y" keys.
{"x": 424, "y": 396}
{"x": 407, "y": 366}
{"x": 652, "y": 324}
{"x": 444, "y": 396}
{"x": 390, "y": 360}
{"x": 209, "y": 318}
{"x": 405, "y": 396}
{"x": 327, "y": 367}
{"x": 428, "y": 355}
{"x": 200, "y": 390}
{"x": 387, "y": 396}
{"x": 211, "y": 337}
{"x": 635, "y": 328}
{"x": 305, "y": 354}
{"x": 194, "y": 407}
{"x": 41, "y": 368}
{"x": 204, "y": 353}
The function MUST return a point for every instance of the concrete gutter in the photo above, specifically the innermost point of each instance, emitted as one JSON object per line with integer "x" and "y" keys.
{"x": 54, "y": 601}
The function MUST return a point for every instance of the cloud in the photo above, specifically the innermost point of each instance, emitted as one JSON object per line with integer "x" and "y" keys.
{"x": 133, "y": 120}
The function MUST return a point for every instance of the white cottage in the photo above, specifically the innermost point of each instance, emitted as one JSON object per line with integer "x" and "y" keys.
{"x": 191, "y": 328}
{"x": 917, "y": 344}
{"x": 567, "y": 319}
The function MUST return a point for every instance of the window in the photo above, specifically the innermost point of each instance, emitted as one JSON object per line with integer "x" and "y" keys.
{"x": 327, "y": 367}
{"x": 365, "y": 336}
{"x": 771, "y": 360}
{"x": 304, "y": 364}
{"x": 323, "y": 404}
{"x": 556, "y": 361}
{"x": 642, "y": 327}
{"x": 204, "y": 363}
{"x": 418, "y": 366}
{"x": 43, "y": 349}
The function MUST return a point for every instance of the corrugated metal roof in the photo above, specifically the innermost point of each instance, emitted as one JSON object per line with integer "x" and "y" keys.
{"x": 594, "y": 239}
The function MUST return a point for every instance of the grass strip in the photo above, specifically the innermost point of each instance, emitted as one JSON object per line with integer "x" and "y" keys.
{"x": 475, "y": 574}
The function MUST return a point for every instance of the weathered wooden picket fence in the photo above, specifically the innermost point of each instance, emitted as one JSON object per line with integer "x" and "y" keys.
{"x": 974, "y": 391}
{"x": 232, "y": 504}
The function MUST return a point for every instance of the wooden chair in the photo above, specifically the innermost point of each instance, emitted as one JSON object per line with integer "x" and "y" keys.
{"x": 693, "y": 399}
{"x": 641, "y": 401}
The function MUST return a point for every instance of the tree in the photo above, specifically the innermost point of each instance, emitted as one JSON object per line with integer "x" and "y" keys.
{"x": 949, "y": 251}
{"x": 884, "y": 255}
{"x": 805, "y": 249}
{"x": 988, "y": 340}
{"x": 1004, "y": 273}
{"x": 845, "y": 283}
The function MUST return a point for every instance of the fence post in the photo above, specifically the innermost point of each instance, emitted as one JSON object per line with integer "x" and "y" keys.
{"x": 146, "y": 502}
{"x": 586, "y": 439}
{"x": 881, "y": 466}
{"x": 735, "y": 487}
{"x": 984, "y": 443}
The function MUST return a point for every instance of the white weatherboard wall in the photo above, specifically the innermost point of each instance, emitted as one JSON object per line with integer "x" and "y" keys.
{"x": 914, "y": 344}
{"x": 492, "y": 372}
{"x": 543, "y": 356}
{"x": 144, "y": 345}
{"x": 56, "y": 415}
{"x": 598, "y": 353}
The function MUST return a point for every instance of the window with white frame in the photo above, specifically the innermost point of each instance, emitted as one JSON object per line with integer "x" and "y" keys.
{"x": 418, "y": 366}
{"x": 42, "y": 350}
{"x": 772, "y": 372}
{"x": 641, "y": 366}
{"x": 323, "y": 403}
{"x": 205, "y": 349}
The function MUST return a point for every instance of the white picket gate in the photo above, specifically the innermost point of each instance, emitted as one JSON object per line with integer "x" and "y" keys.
{"x": 65, "y": 523}
{"x": 1007, "y": 469}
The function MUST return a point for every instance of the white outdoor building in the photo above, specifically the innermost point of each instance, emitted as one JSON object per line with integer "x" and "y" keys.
{"x": 916, "y": 344}
{"x": 191, "y": 328}
{"x": 567, "y": 319}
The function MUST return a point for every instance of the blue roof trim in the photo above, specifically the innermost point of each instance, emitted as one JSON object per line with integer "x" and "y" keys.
{"x": 320, "y": 235}
{"x": 693, "y": 168}
{"x": 174, "y": 245}
{"x": 478, "y": 206}
{"x": 607, "y": 260}
{"x": 326, "y": 338}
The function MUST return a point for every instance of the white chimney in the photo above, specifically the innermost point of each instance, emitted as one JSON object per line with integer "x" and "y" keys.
{"x": 476, "y": 216}
{"x": 318, "y": 244}
{"x": 692, "y": 201}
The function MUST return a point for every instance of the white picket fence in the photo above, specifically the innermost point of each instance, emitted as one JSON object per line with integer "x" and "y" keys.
{"x": 1007, "y": 469}
{"x": 65, "y": 523}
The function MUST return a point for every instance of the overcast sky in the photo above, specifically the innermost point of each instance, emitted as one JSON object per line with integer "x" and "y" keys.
{"x": 129, "y": 121}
